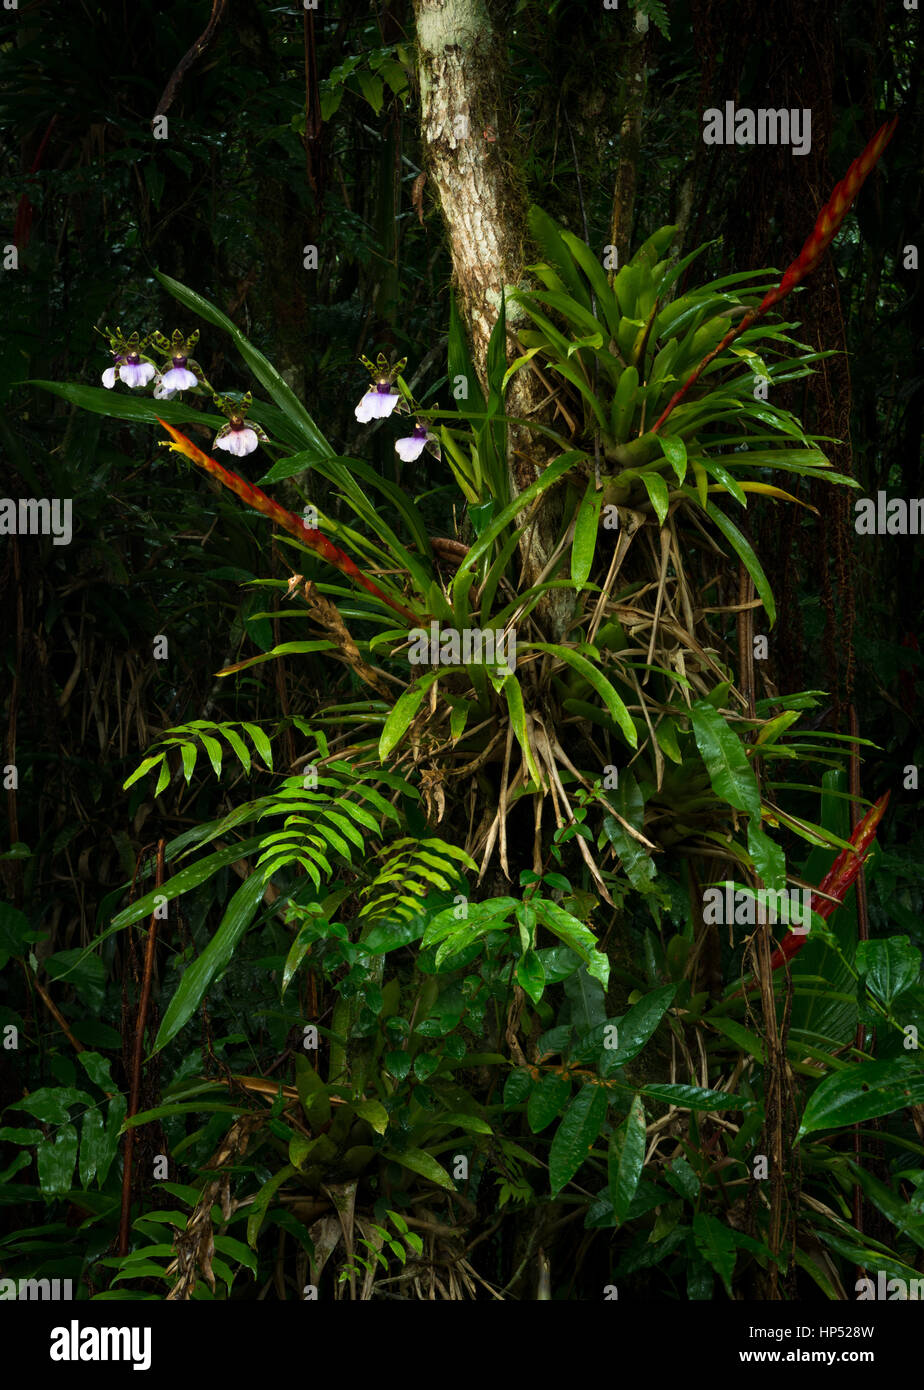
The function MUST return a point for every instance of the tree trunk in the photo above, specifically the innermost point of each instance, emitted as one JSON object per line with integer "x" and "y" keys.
{"x": 471, "y": 158}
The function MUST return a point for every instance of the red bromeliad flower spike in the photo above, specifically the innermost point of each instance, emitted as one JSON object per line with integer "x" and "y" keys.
{"x": 826, "y": 226}
{"x": 287, "y": 520}
{"x": 841, "y": 876}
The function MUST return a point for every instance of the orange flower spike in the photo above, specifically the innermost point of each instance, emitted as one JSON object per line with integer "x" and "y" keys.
{"x": 838, "y": 879}
{"x": 826, "y": 226}
{"x": 832, "y": 215}
{"x": 286, "y": 520}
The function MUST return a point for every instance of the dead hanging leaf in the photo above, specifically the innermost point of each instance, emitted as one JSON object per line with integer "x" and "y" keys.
{"x": 327, "y": 616}
{"x": 417, "y": 196}
{"x": 195, "y": 1247}
{"x": 431, "y": 791}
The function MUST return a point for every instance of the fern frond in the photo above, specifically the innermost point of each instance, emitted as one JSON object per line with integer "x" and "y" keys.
{"x": 410, "y": 870}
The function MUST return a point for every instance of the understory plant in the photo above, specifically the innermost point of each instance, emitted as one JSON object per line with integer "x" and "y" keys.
{"x": 481, "y": 887}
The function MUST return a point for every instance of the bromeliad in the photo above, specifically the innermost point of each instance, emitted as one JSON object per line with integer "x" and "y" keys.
{"x": 826, "y": 225}
{"x": 833, "y": 888}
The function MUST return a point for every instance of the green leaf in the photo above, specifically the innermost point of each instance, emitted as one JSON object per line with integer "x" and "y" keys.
{"x": 675, "y": 451}
{"x": 531, "y": 975}
{"x": 575, "y": 1136}
{"x": 55, "y": 1160}
{"x": 769, "y": 859}
{"x": 639, "y": 1024}
{"x": 186, "y": 879}
{"x": 575, "y": 935}
{"x": 716, "y": 1242}
{"x": 696, "y": 1097}
{"x": 595, "y": 678}
{"x": 262, "y": 1202}
{"x": 626, "y": 1158}
{"x": 656, "y": 488}
{"x": 198, "y": 976}
{"x": 730, "y": 773}
{"x": 546, "y": 1101}
{"x": 548, "y": 238}
{"x": 747, "y": 1041}
{"x": 141, "y": 409}
{"x": 863, "y": 1092}
{"x": 92, "y": 1145}
{"x": 373, "y": 1112}
{"x": 419, "y": 1161}
{"x": 97, "y": 1068}
{"x": 460, "y": 360}
{"x": 586, "y": 529}
{"x": 515, "y": 707}
{"x": 890, "y": 965}
{"x": 402, "y": 713}
{"x": 743, "y": 550}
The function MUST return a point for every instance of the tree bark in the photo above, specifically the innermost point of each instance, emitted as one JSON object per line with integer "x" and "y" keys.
{"x": 471, "y": 158}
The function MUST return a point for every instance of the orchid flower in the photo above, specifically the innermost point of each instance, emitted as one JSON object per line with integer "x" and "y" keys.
{"x": 412, "y": 445}
{"x": 382, "y": 397}
{"x": 237, "y": 437}
{"x": 180, "y": 372}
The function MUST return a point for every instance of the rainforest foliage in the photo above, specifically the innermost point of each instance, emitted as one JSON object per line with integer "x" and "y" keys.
{"x": 453, "y": 852}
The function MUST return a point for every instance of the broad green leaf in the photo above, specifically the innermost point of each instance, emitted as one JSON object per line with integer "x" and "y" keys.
{"x": 744, "y": 551}
{"x": 262, "y": 1201}
{"x": 890, "y": 965}
{"x": 696, "y": 1097}
{"x": 716, "y": 1242}
{"x": 639, "y": 1024}
{"x": 626, "y": 1158}
{"x": 730, "y": 773}
{"x": 547, "y": 1100}
{"x": 514, "y": 697}
{"x": 742, "y": 1037}
{"x": 419, "y": 1161}
{"x": 863, "y": 1092}
{"x": 305, "y": 431}
{"x": 656, "y": 488}
{"x": 402, "y": 713}
{"x": 586, "y": 529}
{"x": 580, "y": 1125}
{"x": 595, "y": 678}
{"x": 575, "y": 935}
{"x": 675, "y": 451}
{"x": 56, "y": 1158}
{"x": 197, "y": 977}
{"x": 769, "y": 859}
{"x": 124, "y": 406}
{"x": 530, "y": 974}
{"x": 92, "y": 1145}
{"x": 186, "y": 879}
{"x": 373, "y": 1112}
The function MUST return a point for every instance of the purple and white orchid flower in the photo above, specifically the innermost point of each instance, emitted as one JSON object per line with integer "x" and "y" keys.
{"x": 179, "y": 377}
{"x": 111, "y": 374}
{"x": 412, "y": 445}
{"x": 180, "y": 372}
{"x": 134, "y": 372}
{"x": 237, "y": 437}
{"x": 378, "y": 402}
